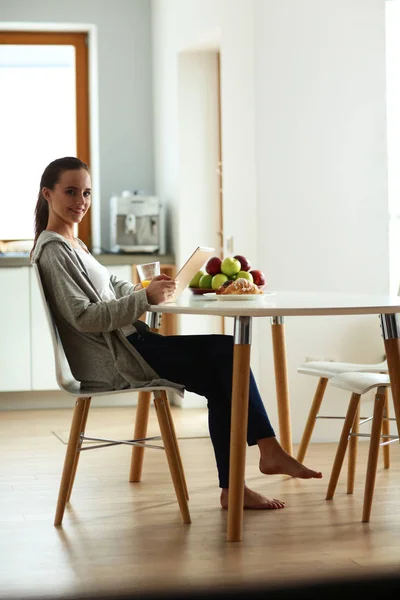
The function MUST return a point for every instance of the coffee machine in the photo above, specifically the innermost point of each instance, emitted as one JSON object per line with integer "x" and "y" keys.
{"x": 137, "y": 224}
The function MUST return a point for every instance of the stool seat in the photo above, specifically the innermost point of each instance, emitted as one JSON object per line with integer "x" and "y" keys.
{"x": 327, "y": 368}
{"x": 360, "y": 383}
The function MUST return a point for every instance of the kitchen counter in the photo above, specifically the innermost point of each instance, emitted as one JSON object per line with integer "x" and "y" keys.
{"x": 22, "y": 260}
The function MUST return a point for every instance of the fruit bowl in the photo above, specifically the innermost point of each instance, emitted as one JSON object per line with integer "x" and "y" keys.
{"x": 201, "y": 291}
{"x": 218, "y": 271}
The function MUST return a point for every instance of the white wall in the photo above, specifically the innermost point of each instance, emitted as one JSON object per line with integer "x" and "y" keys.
{"x": 321, "y": 143}
{"x": 393, "y": 136}
{"x": 304, "y": 154}
{"x": 125, "y": 85}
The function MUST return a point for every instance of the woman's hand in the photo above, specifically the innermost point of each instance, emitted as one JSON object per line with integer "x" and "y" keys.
{"x": 160, "y": 289}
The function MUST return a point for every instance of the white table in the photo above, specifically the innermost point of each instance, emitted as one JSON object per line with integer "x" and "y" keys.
{"x": 278, "y": 306}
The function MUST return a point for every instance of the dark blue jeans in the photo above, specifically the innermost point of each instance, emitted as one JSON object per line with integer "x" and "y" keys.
{"x": 203, "y": 364}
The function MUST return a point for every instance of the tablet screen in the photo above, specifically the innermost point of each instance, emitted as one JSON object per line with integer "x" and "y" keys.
{"x": 193, "y": 264}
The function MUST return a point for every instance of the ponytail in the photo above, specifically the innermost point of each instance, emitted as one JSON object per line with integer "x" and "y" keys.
{"x": 41, "y": 217}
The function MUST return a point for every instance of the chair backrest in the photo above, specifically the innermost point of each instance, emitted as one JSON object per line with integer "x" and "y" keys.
{"x": 65, "y": 379}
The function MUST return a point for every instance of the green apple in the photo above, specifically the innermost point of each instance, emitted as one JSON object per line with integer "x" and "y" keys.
{"x": 245, "y": 275}
{"x": 230, "y": 266}
{"x": 218, "y": 280}
{"x": 205, "y": 281}
{"x": 195, "y": 281}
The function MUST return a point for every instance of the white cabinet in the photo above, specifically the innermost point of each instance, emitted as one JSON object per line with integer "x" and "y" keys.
{"x": 121, "y": 271}
{"x": 42, "y": 357}
{"x": 26, "y": 349}
{"x": 15, "y": 351}
{"x": 43, "y": 375}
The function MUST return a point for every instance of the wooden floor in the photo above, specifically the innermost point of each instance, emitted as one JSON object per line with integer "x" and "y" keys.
{"x": 123, "y": 537}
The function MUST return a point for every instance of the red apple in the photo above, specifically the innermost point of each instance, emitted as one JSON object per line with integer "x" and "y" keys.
{"x": 258, "y": 277}
{"x": 245, "y": 265}
{"x": 213, "y": 266}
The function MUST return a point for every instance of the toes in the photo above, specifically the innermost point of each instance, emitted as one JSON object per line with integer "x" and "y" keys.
{"x": 310, "y": 474}
{"x": 317, "y": 474}
{"x": 274, "y": 503}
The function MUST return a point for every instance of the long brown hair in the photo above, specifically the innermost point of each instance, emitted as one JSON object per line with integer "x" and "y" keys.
{"x": 50, "y": 177}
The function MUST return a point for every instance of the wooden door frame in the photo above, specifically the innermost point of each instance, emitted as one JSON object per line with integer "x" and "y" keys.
{"x": 220, "y": 170}
{"x": 84, "y": 39}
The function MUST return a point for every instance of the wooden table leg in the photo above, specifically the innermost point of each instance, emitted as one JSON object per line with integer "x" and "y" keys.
{"x": 281, "y": 383}
{"x": 239, "y": 418}
{"x": 391, "y": 334}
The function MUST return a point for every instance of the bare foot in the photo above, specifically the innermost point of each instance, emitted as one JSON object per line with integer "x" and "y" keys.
{"x": 275, "y": 460}
{"x": 253, "y": 500}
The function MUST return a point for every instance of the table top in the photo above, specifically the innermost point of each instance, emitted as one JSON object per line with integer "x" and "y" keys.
{"x": 285, "y": 303}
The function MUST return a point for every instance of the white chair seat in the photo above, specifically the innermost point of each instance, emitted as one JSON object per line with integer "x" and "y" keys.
{"x": 64, "y": 377}
{"x": 328, "y": 369}
{"x": 360, "y": 383}
{"x": 73, "y": 388}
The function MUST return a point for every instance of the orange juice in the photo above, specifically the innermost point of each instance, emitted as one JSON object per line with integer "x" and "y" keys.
{"x": 145, "y": 282}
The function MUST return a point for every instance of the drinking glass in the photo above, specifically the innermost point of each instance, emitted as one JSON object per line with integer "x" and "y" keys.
{"x": 147, "y": 271}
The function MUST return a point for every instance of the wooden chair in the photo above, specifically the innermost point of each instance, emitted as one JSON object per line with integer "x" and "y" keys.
{"x": 359, "y": 384}
{"x": 77, "y": 436}
{"x": 325, "y": 371}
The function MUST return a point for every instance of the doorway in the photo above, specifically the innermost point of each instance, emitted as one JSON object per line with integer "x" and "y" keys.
{"x": 201, "y": 165}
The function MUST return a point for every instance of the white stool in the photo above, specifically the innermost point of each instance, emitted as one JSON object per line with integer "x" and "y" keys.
{"x": 358, "y": 384}
{"x": 325, "y": 370}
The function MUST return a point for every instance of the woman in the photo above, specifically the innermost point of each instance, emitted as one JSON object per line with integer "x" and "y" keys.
{"x": 109, "y": 348}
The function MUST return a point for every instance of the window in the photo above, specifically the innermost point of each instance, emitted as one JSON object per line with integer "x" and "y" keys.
{"x": 43, "y": 115}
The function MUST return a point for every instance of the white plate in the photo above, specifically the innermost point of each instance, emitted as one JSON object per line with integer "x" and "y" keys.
{"x": 230, "y": 297}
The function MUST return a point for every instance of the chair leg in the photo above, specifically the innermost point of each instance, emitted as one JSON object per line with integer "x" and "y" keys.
{"x": 352, "y": 456}
{"x": 78, "y": 454}
{"x": 314, "y": 410}
{"x": 160, "y": 402}
{"x": 386, "y": 431}
{"x": 140, "y": 431}
{"x": 153, "y": 320}
{"x": 70, "y": 455}
{"x": 376, "y": 429}
{"x": 178, "y": 452}
{"x": 342, "y": 447}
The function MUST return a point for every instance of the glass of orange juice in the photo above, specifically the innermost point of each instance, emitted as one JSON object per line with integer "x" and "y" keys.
{"x": 147, "y": 271}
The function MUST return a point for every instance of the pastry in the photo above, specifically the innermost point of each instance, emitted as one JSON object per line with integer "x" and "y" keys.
{"x": 239, "y": 286}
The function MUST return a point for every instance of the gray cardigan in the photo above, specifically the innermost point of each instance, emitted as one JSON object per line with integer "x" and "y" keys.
{"x": 98, "y": 353}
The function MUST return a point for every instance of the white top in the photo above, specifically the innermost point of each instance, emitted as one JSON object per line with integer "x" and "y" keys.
{"x": 285, "y": 303}
{"x": 100, "y": 277}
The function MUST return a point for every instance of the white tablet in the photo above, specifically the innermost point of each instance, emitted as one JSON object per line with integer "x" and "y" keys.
{"x": 193, "y": 264}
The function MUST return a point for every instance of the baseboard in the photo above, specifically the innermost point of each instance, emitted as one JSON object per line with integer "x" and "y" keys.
{"x": 189, "y": 400}
{"x": 58, "y": 399}
{"x": 53, "y": 399}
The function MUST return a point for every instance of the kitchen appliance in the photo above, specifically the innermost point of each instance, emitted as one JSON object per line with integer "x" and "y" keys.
{"x": 137, "y": 224}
